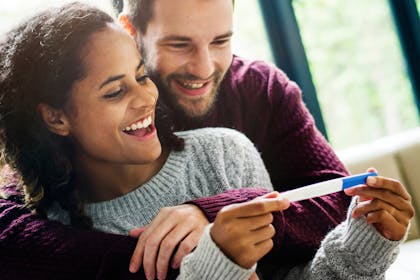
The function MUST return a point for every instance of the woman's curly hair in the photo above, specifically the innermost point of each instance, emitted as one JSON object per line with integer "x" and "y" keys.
{"x": 39, "y": 62}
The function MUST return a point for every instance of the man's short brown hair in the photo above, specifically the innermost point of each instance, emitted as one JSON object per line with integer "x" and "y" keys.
{"x": 140, "y": 12}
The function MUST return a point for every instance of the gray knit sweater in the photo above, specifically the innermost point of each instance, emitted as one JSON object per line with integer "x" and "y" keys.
{"x": 354, "y": 250}
{"x": 217, "y": 159}
{"x": 214, "y": 160}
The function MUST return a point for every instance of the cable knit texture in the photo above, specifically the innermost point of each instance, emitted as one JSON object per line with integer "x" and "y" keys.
{"x": 208, "y": 262}
{"x": 353, "y": 250}
{"x": 214, "y": 160}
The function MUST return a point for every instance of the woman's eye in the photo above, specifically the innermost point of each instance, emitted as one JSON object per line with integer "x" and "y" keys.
{"x": 142, "y": 79}
{"x": 114, "y": 94}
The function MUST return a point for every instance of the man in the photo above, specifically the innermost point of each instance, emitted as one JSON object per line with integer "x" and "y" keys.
{"x": 186, "y": 45}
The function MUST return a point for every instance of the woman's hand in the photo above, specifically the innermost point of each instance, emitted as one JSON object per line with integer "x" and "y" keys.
{"x": 386, "y": 204}
{"x": 178, "y": 227}
{"x": 243, "y": 231}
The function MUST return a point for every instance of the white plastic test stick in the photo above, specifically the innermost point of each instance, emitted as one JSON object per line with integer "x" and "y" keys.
{"x": 326, "y": 187}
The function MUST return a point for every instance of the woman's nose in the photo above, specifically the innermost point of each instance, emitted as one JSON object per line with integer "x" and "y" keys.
{"x": 144, "y": 96}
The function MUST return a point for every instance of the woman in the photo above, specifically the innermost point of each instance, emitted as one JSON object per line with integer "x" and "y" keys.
{"x": 87, "y": 134}
{"x": 78, "y": 116}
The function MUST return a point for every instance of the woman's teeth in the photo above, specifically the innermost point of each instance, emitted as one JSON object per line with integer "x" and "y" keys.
{"x": 192, "y": 86}
{"x": 140, "y": 124}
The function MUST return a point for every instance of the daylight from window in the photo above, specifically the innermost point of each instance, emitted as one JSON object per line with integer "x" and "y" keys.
{"x": 354, "y": 56}
{"x": 249, "y": 38}
{"x": 358, "y": 69}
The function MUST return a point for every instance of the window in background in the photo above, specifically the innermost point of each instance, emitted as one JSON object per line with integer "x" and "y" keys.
{"x": 14, "y": 11}
{"x": 250, "y": 37}
{"x": 418, "y": 6}
{"x": 357, "y": 68}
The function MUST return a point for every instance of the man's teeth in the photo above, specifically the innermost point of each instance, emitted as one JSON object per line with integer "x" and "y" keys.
{"x": 192, "y": 85}
{"x": 140, "y": 124}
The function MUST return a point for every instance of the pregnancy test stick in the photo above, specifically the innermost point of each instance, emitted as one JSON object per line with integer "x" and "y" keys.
{"x": 326, "y": 187}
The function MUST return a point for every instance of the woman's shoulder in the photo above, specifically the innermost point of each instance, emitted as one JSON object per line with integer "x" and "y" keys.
{"x": 216, "y": 136}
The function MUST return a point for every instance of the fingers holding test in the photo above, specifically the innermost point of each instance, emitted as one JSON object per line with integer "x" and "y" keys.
{"x": 389, "y": 184}
{"x": 365, "y": 207}
{"x": 256, "y": 207}
{"x": 386, "y": 224}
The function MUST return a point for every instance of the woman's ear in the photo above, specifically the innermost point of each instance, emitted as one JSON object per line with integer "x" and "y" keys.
{"x": 54, "y": 119}
{"x": 127, "y": 24}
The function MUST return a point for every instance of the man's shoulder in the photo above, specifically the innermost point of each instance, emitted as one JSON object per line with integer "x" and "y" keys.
{"x": 255, "y": 78}
{"x": 243, "y": 69}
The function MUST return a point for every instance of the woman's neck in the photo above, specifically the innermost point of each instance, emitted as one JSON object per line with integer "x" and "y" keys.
{"x": 101, "y": 182}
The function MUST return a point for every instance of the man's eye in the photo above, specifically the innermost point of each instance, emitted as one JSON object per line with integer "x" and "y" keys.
{"x": 221, "y": 42}
{"x": 179, "y": 46}
{"x": 114, "y": 94}
{"x": 143, "y": 79}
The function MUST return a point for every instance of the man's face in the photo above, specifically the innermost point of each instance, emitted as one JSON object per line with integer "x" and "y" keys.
{"x": 187, "y": 51}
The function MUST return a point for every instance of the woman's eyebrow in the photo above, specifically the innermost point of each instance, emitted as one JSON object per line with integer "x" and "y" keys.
{"x": 118, "y": 77}
{"x": 141, "y": 63}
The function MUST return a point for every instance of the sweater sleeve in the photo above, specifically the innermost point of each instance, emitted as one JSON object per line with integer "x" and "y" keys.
{"x": 207, "y": 261}
{"x": 35, "y": 248}
{"x": 353, "y": 250}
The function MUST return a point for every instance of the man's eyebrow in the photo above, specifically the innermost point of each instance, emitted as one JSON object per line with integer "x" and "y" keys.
{"x": 186, "y": 39}
{"x": 118, "y": 77}
{"x": 224, "y": 36}
{"x": 175, "y": 38}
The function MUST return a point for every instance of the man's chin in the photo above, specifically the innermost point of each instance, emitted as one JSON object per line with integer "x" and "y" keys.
{"x": 194, "y": 111}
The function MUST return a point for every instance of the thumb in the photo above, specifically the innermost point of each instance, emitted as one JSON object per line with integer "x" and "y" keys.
{"x": 268, "y": 195}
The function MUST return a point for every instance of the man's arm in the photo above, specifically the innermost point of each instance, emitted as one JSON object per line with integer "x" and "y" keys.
{"x": 294, "y": 151}
{"x": 297, "y": 238}
{"x": 35, "y": 248}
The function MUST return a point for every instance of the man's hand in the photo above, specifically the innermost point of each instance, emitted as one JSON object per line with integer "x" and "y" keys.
{"x": 386, "y": 204}
{"x": 243, "y": 231}
{"x": 179, "y": 226}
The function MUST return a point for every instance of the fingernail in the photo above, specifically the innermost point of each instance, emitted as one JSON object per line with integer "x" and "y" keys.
{"x": 349, "y": 191}
{"x": 371, "y": 180}
{"x": 355, "y": 215}
{"x": 174, "y": 265}
{"x": 132, "y": 268}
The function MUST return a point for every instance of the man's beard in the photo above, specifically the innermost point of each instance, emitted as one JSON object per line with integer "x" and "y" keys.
{"x": 192, "y": 114}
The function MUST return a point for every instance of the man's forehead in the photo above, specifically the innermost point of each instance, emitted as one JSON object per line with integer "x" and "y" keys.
{"x": 179, "y": 11}
{"x": 187, "y": 17}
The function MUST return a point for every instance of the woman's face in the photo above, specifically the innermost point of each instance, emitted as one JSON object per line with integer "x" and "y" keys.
{"x": 111, "y": 111}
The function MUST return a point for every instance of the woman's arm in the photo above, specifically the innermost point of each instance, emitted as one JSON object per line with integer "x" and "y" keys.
{"x": 366, "y": 244}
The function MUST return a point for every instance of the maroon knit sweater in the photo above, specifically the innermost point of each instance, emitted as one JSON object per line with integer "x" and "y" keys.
{"x": 256, "y": 99}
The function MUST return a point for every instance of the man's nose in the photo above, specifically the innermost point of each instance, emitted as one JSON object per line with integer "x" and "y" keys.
{"x": 201, "y": 63}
